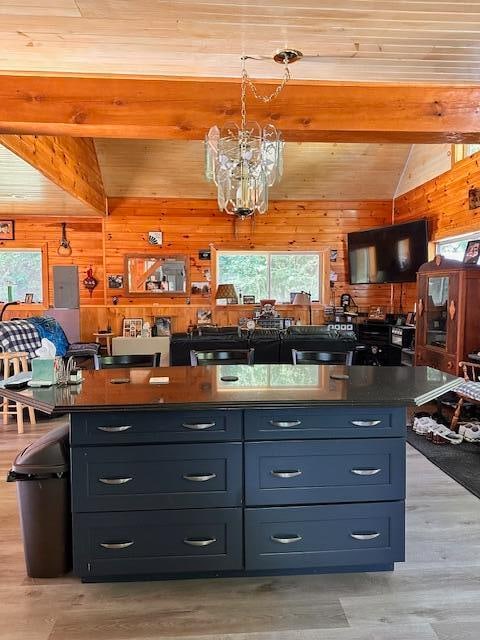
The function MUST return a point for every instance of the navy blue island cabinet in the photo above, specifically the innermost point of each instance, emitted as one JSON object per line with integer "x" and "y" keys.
{"x": 239, "y": 470}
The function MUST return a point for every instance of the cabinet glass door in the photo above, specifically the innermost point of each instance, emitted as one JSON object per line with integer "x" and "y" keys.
{"x": 436, "y": 311}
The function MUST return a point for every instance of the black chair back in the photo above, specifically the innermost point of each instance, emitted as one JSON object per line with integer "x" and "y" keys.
{"x": 233, "y": 356}
{"x": 322, "y": 357}
{"x": 126, "y": 361}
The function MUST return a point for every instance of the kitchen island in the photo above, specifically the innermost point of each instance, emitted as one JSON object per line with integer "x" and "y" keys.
{"x": 238, "y": 470}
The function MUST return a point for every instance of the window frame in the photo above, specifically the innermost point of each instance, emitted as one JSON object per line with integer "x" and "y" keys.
{"x": 475, "y": 235}
{"x": 42, "y": 248}
{"x": 323, "y": 272}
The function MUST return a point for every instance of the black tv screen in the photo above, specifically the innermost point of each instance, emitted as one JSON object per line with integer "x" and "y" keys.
{"x": 387, "y": 254}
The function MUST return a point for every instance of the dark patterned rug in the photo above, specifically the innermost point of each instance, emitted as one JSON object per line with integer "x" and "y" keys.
{"x": 461, "y": 462}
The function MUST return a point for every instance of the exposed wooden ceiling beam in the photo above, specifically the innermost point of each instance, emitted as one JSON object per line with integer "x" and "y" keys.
{"x": 70, "y": 163}
{"x": 126, "y": 107}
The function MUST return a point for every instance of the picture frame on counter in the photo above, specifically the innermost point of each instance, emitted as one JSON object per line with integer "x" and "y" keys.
{"x": 132, "y": 327}
{"x": 163, "y": 325}
{"x": 248, "y": 299}
{"x": 204, "y": 316}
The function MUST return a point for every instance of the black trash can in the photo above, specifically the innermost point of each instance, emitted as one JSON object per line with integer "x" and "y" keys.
{"x": 41, "y": 472}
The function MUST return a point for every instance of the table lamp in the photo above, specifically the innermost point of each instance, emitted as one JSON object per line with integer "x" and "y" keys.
{"x": 226, "y": 292}
{"x": 304, "y": 299}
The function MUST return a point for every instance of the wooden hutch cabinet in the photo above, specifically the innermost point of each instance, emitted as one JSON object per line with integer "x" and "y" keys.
{"x": 448, "y": 313}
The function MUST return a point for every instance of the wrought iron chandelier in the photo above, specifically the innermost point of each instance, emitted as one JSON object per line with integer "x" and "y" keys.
{"x": 244, "y": 161}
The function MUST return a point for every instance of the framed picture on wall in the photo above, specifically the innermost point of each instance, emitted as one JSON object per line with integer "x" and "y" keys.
{"x": 7, "y": 230}
{"x": 132, "y": 327}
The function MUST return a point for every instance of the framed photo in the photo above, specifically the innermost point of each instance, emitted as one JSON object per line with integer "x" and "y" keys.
{"x": 248, "y": 299}
{"x": 202, "y": 288}
{"x": 155, "y": 238}
{"x": 163, "y": 325}
{"x": 377, "y": 313}
{"x": 7, "y": 230}
{"x": 410, "y": 318}
{"x": 472, "y": 252}
{"x": 28, "y": 298}
{"x": 132, "y": 327}
{"x": 204, "y": 254}
{"x": 115, "y": 281}
{"x": 333, "y": 255}
{"x": 204, "y": 316}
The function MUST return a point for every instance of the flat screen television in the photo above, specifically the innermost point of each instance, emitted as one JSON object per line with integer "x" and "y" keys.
{"x": 387, "y": 254}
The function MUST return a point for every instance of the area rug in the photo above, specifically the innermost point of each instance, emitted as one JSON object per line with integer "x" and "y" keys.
{"x": 461, "y": 462}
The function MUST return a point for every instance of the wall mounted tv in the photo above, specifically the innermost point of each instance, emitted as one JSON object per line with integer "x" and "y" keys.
{"x": 387, "y": 254}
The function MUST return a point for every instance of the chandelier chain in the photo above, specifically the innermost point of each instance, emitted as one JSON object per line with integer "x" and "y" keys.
{"x": 246, "y": 80}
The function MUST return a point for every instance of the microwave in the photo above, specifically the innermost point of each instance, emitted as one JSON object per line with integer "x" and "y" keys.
{"x": 402, "y": 337}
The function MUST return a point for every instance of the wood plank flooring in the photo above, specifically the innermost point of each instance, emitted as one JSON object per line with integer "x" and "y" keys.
{"x": 433, "y": 596}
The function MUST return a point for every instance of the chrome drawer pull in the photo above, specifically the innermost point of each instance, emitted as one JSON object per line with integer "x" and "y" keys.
{"x": 286, "y": 540}
{"x": 286, "y": 474}
{"x": 365, "y": 423}
{"x": 365, "y": 536}
{"x": 365, "y": 472}
{"x": 198, "y": 426}
{"x": 193, "y": 477}
{"x": 199, "y": 542}
{"x": 285, "y": 424}
{"x": 114, "y": 480}
{"x": 123, "y": 427}
{"x": 116, "y": 545}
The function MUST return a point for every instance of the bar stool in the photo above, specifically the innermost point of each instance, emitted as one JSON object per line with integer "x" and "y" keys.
{"x": 16, "y": 360}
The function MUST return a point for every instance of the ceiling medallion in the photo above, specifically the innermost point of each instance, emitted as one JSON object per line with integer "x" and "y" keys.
{"x": 245, "y": 160}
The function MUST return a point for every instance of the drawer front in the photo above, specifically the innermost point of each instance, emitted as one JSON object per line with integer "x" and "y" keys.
{"x": 156, "y": 542}
{"x": 173, "y": 476}
{"x": 156, "y": 426}
{"x": 324, "y": 471}
{"x": 322, "y": 536}
{"x": 324, "y": 422}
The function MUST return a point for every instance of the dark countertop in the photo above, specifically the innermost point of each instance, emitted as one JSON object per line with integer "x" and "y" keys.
{"x": 275, "y": 385}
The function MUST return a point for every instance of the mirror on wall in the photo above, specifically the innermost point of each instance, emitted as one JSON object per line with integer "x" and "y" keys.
{"x": 156, "y": 275}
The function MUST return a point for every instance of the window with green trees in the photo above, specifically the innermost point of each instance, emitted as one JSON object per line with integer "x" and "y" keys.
{"x": 21, "y": 269}
{"x": 271, "y": 274}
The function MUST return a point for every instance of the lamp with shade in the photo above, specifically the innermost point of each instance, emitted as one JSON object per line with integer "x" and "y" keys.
{"x": 304, "y": 299}
{"x": 226, "y": 292}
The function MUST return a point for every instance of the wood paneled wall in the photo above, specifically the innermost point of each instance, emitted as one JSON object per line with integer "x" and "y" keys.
{"x": 191, "y": 225}
{"x": 86, "y": 239}
{"x": 443, "y": 201}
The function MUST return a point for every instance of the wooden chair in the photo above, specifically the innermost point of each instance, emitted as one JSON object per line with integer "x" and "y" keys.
{"x": 18, "y": 362}
{"x": 126, "y": 361}
{"x": 233, "y": 356}
{"x": 322, "y": 357}
{"x": 471, "y": 372}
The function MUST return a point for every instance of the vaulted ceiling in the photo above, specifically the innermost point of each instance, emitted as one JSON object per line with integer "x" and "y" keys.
{"x": 359, "y": 40}
{"x": 313, "y": 171}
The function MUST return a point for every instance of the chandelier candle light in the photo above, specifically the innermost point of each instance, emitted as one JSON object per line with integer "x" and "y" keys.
{"x": 244, "y": 161}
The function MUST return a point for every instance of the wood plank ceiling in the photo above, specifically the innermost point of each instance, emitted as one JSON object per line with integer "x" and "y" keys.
{"x": 313, "y": 171}
{"x": 24, "y": 190}
{"x": 359, "y": 40}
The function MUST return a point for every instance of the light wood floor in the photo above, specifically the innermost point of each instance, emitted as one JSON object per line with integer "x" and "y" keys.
{"x": 434, "y": 595}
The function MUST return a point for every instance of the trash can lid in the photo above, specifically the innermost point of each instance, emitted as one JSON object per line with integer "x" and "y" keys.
{"x": 48, "y": 454}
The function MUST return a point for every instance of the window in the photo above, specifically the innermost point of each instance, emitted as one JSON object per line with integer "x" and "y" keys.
{"x": 462, "y": 151}
{"x": 21, "y": 269}
{"x": 454, "y": 248}
{"x": 271, "y": 274}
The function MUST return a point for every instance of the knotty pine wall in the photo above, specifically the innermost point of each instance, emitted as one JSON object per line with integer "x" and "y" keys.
{"x": 191, "y": 225}
{"x": 443, "y": 201}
